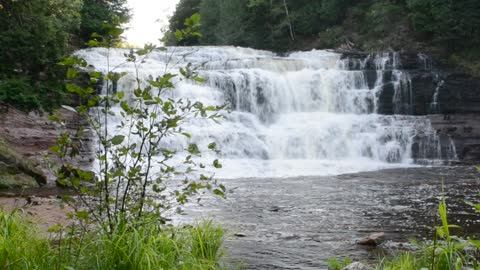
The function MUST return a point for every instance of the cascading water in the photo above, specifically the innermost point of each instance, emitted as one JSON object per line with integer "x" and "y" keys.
{"x": 303, "y": 114}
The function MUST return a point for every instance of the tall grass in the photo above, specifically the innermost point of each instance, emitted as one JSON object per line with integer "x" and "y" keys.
{"x": 21, "y": 245}
{"x": 149, "y": 246}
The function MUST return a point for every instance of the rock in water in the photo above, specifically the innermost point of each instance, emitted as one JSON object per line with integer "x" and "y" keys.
{"x": 357, "y": 266}
{"x": 372, "y": 240}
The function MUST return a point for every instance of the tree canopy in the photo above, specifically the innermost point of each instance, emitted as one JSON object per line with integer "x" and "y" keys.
{"x": 288, "y": 24}
{"x": 37, "y": 34}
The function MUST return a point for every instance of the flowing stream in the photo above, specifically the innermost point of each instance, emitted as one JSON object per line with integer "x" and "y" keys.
{"x": 305, "y": 114}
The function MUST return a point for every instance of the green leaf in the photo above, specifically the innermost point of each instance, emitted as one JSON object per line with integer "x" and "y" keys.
{"x": 218, "y": 192}
{"x": 72, "y": 73}
{"x": 93, "y": 43}
{"x": 96, "y": 75}
{"x": 82, "y": 215}
{"x": 117, "y": 139}
{"x": 200, "y": 80}
{"x": 217, "y": 164}
{"x": 124, "y": 105}
{"x": 178, "y": 35}
{"x": 75, "y": 89}
{"x": 193, "y": 149}
{"x": 212, "y": 146}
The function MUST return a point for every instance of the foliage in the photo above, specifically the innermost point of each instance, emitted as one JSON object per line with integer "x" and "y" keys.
{"x": 35, "y": 34}
{"x": 335, "y": 264}
{"x": 98, "y": 16}
{"x": 26, "y": 96}
{"x": 453, "y": 23}
{"x": 21, "y": 246}
{"x": 381, "y": 16}
{"x": 332, "y": 37}
{"x": 448, "y": 27}
{"x": 185, "y": 9}
{"x": 18, "y": 92}
{"x": 260, "y": 23}
{"x": 149, "y": 246}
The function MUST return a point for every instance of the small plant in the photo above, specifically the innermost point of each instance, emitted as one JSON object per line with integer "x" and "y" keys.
{"x": 137, "y": 174}
{"x": 335, "y": 264}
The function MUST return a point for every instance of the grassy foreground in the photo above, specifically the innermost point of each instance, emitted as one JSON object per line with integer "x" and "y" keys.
{"x": 23, "y": 246}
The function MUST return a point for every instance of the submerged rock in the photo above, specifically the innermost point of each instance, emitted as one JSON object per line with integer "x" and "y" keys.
{"x": 372, "y": 240}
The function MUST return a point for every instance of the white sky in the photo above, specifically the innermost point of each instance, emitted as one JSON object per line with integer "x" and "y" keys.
{"x": 149, "y": 17}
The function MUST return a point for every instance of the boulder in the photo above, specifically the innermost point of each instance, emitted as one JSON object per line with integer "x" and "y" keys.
{"x": 372, "y": 240}
{"x": 16, "y": 171}
{"x": 30, "y": 136}
{"x": 357, "y": 266}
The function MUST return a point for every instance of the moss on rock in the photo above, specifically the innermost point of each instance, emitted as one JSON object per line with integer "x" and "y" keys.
{"x": 16, "y": 171}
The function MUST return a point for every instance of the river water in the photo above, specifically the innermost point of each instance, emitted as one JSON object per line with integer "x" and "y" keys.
{"x": 299, "y": 223}
{"x": 312, "y": 164}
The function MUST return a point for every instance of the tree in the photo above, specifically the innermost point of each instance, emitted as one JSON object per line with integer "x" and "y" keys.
{"x": 35, "y": 34}
{"x": 451, "y": 22}
{"x": 184, "y": 10}
{"x": 98, "y": 14}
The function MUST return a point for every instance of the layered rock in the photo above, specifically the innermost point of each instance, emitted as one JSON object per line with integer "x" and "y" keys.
{"x": 27, "y": 138}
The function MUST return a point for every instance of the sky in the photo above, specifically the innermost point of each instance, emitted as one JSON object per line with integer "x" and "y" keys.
{"x": 149, "y": 17}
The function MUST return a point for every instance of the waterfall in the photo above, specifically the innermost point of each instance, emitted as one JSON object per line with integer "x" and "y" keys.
{"x": 308, "y": 113}
{"x": 434, "y": 105}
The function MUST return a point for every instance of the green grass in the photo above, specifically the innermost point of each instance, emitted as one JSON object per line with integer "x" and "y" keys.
{"x": 336, "y": 264}
{"x": 127, "y": 248}
{"x": 21, "y": 246}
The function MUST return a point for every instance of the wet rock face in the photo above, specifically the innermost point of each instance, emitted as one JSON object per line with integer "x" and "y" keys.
{"x": 464, "y": 129}
{"x": 26, "y": 139}
{"x": 451, "y": 99}
{"x": 435, "y": 87}
{"x": 16, "y": 171}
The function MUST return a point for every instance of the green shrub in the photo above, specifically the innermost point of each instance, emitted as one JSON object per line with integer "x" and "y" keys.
{"x": 20, "y": 93}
